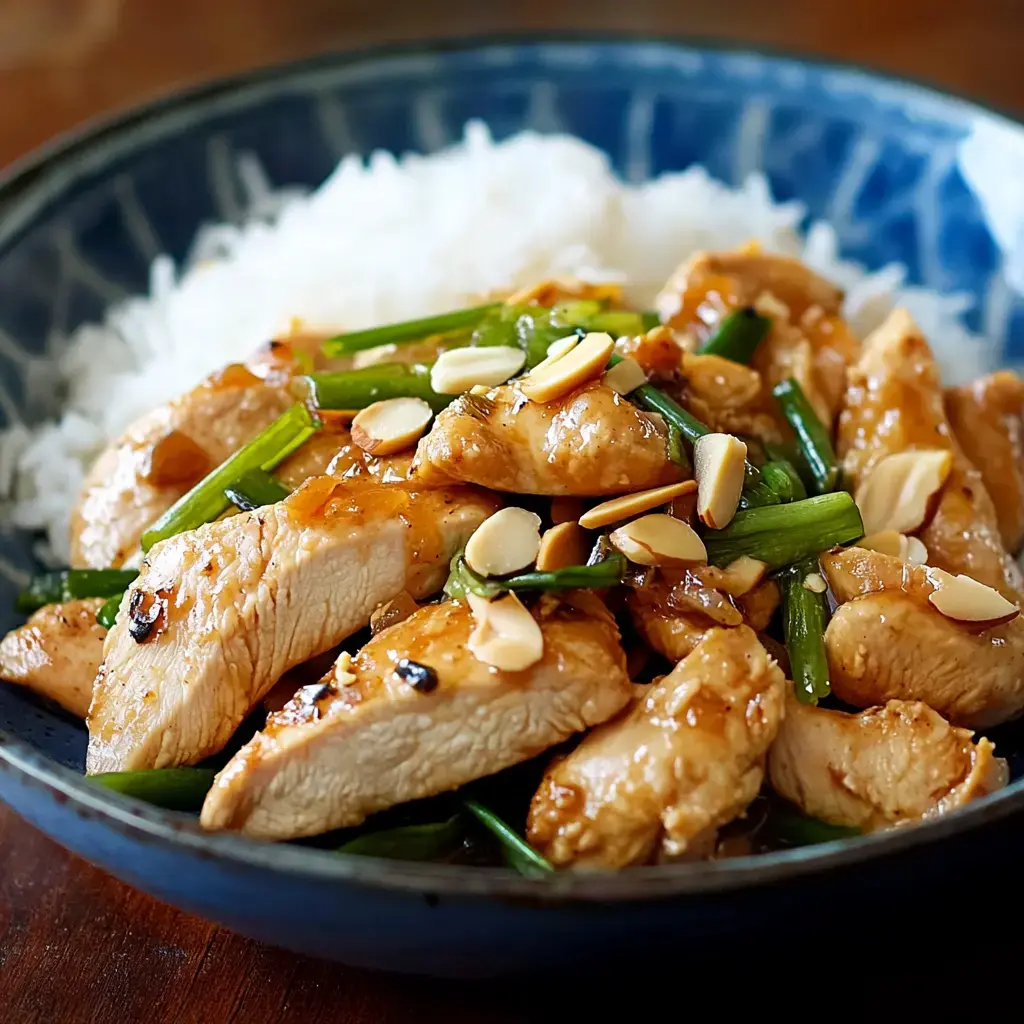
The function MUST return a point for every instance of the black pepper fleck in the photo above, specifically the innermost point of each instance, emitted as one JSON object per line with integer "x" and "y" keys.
{"x": 422, "y": 678}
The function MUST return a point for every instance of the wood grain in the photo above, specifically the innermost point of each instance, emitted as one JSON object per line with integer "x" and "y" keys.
{"x": 76, "y": 945}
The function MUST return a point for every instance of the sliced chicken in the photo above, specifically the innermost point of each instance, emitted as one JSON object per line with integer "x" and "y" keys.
{"x": 894, "y": 403}
{"x": 219, "y": 614}
{"x": 987, "y": 417}
{"x": 660, "y": 780}
{"x": 887, "y": 642}
{"x": 888, "y": 765}
{"x": 377, "y": 732}
{"x": 590, "y": 443}
{"x": 56, "y": 653}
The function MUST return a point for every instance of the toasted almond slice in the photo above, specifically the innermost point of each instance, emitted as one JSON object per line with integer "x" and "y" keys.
{"x": 458, "y": 369}
{"x": 585, "y": 362}
{"x": 562, "y": 545}
{"x": 566, "y": 510}
{"x": 391, "y": 426}
{"x": 504, "y": 542}
{"x": 479, "y": 389}
{"x": 719, "y": 467}
{"x": 659, "y": 540}
{"x": 625, "y": 376}
{"x": 557, "y": 349}
{"x": 964, "y": 599}
{"x": 627, "y": 505}
{"x": 768, "y": 305}
{"x": 815, "y": 583}
{"x": 398, "y": 609}
{"x": 898, "y": 493}
{"x": 916, "y": 553}
{"x": 885, "y": 542}
{"x": 742, "y": 575}
{"x": 506, "y": 635}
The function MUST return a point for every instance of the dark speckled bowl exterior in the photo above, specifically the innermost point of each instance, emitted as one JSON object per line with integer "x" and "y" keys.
{"x": 79, "y": 224}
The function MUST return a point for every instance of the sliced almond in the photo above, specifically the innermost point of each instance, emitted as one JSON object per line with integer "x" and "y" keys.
{"x": 458, "y": 369}
{"x": 898, "y": 493}
{"x": 659, "y": 540}
{"x": 815, "y": 583}
{"x": 557, "y": 349}
{"x": 391, "y": 426}
{"x": 562, "y": 545}
{"x": 625, "y": 376}
{"x": 585, "y": 362}
{"x": 398, "y": 609}
{"x": 506, "y": 635}
{"x": 885, "y": 542}
{"x": 566, "y": 510}
{"x": 916, "y": 553}
{"x": 964, "y": 599}
{"x": 479, "y": 389}
{"x": 768, "y": 305}
{"x": 505, "y": 542}
{"x": 719, "y": 467}
{"x": 742, "y": 575}
{"x": 627, "y": 505}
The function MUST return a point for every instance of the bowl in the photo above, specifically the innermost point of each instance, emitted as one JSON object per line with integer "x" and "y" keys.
{"x": 904, "y": 174}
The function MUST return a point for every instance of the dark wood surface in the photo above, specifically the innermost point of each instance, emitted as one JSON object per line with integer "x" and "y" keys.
{"x": 76, "y": 945}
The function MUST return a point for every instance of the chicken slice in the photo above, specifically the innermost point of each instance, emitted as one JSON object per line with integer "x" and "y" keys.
{"x": 57, "y": 653}
{"x": 887, "y": 642}
{"x": 894, "y": 403}
{"x": 987, "y": 417}
{"x": 366, "y": 739}
{"x": 898, "y": 763}
{"x": 660, "y": 780}
{"x": 219, "y": 614}
{"x": 592, "y": 442}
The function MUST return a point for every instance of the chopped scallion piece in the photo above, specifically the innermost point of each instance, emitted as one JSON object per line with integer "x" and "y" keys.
{"x": 812, "y": 435}
{"x": 738, "y": 336}
{"x": 783, "y": 479}
{"x": 796, "y": 829}
{"x": 408, "y": 842}
{"x": 177, "y": 789}
{"x": 207, "y": 499}
{"x": 605, "y": 573}
{"x": 255, "y": 489}
{"x": 804, "y": 620}
{"x": 407, "y": 331}
{"x": 518, "y": 853}
{"x": 107, "y": 615}
{"x": 72, "y": 585}
{"x": 782, "y": 534}
{"x": 356, "y": 389}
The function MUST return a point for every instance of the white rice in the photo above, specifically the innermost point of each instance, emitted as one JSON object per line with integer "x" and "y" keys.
{"x": 385, "y": 240}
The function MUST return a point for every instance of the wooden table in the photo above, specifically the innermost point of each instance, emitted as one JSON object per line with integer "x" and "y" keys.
{"x": 76, "y": 945}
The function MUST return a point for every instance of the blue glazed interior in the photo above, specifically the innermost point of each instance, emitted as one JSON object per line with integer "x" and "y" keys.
{"x": 876, "y": 158}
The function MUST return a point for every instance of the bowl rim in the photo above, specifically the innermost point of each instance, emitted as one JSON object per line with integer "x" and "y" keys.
{"x": 32, "y": 182}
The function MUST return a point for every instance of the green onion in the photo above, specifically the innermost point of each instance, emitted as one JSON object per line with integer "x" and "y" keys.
{"x": 207, "y": 500}
{"x": 517, "y": 852}
{"x": 781, "y": 476}
{"x": 409, "y": 330}
{"x": 606, "y": 573}
{"x": 796, "y": 829}
{"x": 618, "y": 323}
{"x": 71, "y": 585}
{"x": 356, "y": 389}
{"x": 812, "y": 435}
{"x": 648, "y": 321}
{"x": 107, "y": 614}
{"x": 255, "y": 489}
{"x": 805, "y": 615}
{"x": 783, "y": 534}
{"x": 177, "y": 789}
{"x": 738, "y": 336}
{"x": 675, "y": 448}
{"x": 408, "y": 842}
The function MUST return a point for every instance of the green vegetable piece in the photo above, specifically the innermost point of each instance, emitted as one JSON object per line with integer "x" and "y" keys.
{"x": 781, "y": 476}
{"x": 207, "y": 499}
{"x": 783, "y": 534}
{"x": 107, "y": 614}
{"x": 408, "y": 842}
{"x": 738, "y": 336}
{"x": 71, "y": 585}
{"x": 177, "y": 789}
{"x": 796, "y": 829}
{"x": 605, "y": 573}
{"x": 407, "y": 331}
{"x": 517, "y": 852}
{"x": 356, "y": 389}
{"x": 805, "y": 616}
{"x": 255, "y": 489}
{"x": 812, "y": 435}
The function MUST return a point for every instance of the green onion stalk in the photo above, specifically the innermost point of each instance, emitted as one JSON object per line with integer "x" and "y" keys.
{"x": 805, "y": 615}
{"x": 356, "y": 389}
{"x": 255, "y": 489}
{"x": 177, "y": 789}
{"x": 408, "y": 842}
{"x": 812, "y": 435}
{"x": 738, "y": 336}
{"x": 72, "y": 585}
{"x": 606, "y": 573}
{"x": 517, "y": 852}
{"x": 207, "y": 499}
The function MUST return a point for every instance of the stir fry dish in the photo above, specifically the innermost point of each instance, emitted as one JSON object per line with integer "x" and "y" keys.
{"x": 555, "y": 582}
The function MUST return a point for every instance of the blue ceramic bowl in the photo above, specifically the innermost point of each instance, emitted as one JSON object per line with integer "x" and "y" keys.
{"x": 79, "y": 223}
